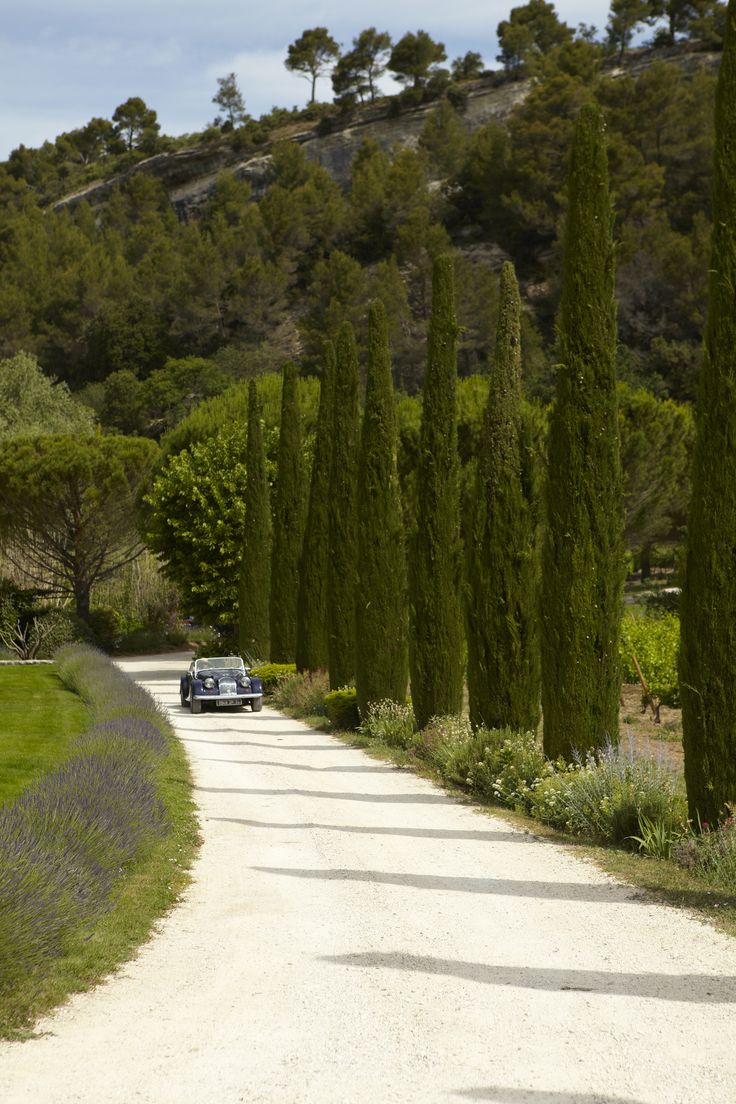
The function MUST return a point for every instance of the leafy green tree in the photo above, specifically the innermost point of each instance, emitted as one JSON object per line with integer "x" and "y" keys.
{"x": 136, "y": 124}
{"x": 381, "y": 669}
{"x": 69, "y": 509}
{"x": 415, "y": 58}
{"x": 312, "y": 645}
{"x": 357, "y": 72}
{"x": 371, "y": 49}
{"x": 195, "y": 522}
{"x": 311, "y": 55}
{"x": 32, "y": 404}
{"x": 533, "y": 28}
{"x": 444, "y": 138}
{"x": 255, "y": 568}
{"x": 583, "y": 555}
{"x": 435, "y": 567}
{"x": 708, "y": 606}
{"x": 93, "y": 141}
{"x": 678, "y": 17}
{"x": 468, "y": 67}
{"x": 502, "y": 608}
{"x": 342, "y": 512}
{"x": 230, "y": 100}
{"x": 623, "y": 19}
{"x": 288, "y": 525}
{"x": 656, "y": 452}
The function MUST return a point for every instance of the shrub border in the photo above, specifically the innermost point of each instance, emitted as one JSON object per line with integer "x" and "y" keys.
{"x": 148, "y": 890}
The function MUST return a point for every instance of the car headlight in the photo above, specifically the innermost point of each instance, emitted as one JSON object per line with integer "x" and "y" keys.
{"x": 244, "y": 681}
{"x": 209, "y": 684}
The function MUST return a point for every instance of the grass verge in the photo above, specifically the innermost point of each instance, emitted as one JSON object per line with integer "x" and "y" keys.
{"x": 150, "y": 884}
{"x": 39, "y": 719}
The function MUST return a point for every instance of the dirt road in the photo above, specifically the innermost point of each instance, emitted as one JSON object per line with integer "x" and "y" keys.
{"x": 352, "y": 934}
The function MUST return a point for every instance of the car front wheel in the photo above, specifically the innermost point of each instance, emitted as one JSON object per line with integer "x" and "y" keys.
{"x": 256, "y": 704}
{"x": 196, "y": 705}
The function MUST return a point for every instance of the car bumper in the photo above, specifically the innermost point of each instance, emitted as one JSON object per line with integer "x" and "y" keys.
{"x": 231, "y": 699}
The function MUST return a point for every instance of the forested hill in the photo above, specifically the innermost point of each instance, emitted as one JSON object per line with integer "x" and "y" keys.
{"x": 283, "y": 249}
{"x": 332, "y": 138}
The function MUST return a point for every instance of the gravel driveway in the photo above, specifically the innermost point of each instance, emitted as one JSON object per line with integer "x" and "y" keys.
{"x": 352, "y": 934}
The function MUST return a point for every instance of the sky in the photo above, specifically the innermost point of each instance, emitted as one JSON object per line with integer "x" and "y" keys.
{"x": 62, "y": 64}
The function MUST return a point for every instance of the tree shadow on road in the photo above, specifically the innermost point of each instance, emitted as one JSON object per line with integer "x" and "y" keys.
{"x": 689, "y": 988}
{"x": 504, "y": 887}
{"x": 384, "y": 830}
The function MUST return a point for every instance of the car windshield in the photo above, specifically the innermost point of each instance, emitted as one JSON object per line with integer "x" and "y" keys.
{"x": 219, "y": 663}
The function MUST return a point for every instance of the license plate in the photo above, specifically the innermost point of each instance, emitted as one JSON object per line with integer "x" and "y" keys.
{"x": 227, "y": 701}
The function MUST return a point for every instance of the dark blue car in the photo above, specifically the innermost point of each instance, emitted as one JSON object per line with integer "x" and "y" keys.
{"x": 223, "y": 680}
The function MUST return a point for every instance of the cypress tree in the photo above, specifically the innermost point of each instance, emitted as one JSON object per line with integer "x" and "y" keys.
{"x": 255, "y": 566}
{"x": 311, "y": 627}
{"x": 502, "y": 594}
{"x": 342, "y": 516}
{"x": 380, "y": 614}
{"x": 582, "y": 575}
{"x": 708, "y": 607}
{"x": 287, "y": 524}
{"x": 435, "y": 564}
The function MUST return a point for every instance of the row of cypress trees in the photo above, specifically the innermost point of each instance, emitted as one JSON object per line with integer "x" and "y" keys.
{"x": 343, "y": 595}
{"x": 346, "y": 597}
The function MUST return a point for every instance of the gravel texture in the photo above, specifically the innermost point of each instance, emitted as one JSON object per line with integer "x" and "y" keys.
{"x": 353, "y": 935}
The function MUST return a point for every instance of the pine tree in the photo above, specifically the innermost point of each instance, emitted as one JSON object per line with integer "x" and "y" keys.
{"x": 708, "y": 646}
{"x": 502, "y": 595}
{"x": 582, "y": 574}
{"x": 255, "y": 567}
{"x": 342, "y": 515}
{"x": 287, "y": 525}
{"x": 381, "y": 629}
{"x": 311, "y": 631}
{"x": 435, "y": 565}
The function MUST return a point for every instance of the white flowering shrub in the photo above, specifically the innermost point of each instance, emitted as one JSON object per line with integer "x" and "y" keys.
{"x": 390, "y": 723}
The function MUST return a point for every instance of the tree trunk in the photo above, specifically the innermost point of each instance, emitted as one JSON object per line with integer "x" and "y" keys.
{"x": 645, "y": 561}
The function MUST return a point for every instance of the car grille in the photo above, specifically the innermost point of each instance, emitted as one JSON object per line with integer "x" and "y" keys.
{"x": 227, "y": 686}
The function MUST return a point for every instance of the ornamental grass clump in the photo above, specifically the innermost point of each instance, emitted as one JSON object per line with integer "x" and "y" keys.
{"x": 443, "y": 742}
{"x": 712, "y": 853}
{"x": 65, "y": 842}
{"x": 302, "y": 694}
{"x": 607, "y": 796}
{"x": 390, "y": 723}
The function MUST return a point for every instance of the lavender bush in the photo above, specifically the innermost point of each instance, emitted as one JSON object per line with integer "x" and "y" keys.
{"x": 65, "y": 842}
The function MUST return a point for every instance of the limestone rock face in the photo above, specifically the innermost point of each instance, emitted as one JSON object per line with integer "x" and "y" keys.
{"x": 190, "y": 175}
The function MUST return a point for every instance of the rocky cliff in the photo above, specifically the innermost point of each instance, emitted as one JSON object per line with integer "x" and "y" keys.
{"x": 190, "y": 175}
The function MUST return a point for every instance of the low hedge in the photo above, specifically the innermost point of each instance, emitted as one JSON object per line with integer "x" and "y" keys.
{"x": 72, "y": 838}
{"x": 271, "y": 673}
{"x": 342, "y": 708}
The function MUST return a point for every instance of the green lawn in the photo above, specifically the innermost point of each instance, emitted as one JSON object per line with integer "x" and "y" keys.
{"x": 39, "y": 719}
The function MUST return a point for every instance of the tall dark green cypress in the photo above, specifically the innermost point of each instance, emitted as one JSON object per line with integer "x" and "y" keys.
{"x": 255, "y": 566}
{"x": 342, "y": 516}
{"x": 708, "y": 646}
{"x": 381, "y": 669}
{"x": 288, "y": 518}
{"x": 502, "y": 609}
{"x": 436, "y": 642}
{"x": 311, "y": 627}
{"x": 582, "y": 576}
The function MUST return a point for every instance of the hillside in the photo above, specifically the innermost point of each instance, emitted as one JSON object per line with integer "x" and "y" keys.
{"x": 167, "y": 276}
{"x": 189, "y": 175}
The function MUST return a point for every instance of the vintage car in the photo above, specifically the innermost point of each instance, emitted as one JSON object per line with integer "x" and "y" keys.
{"x": 222, "y": 680}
